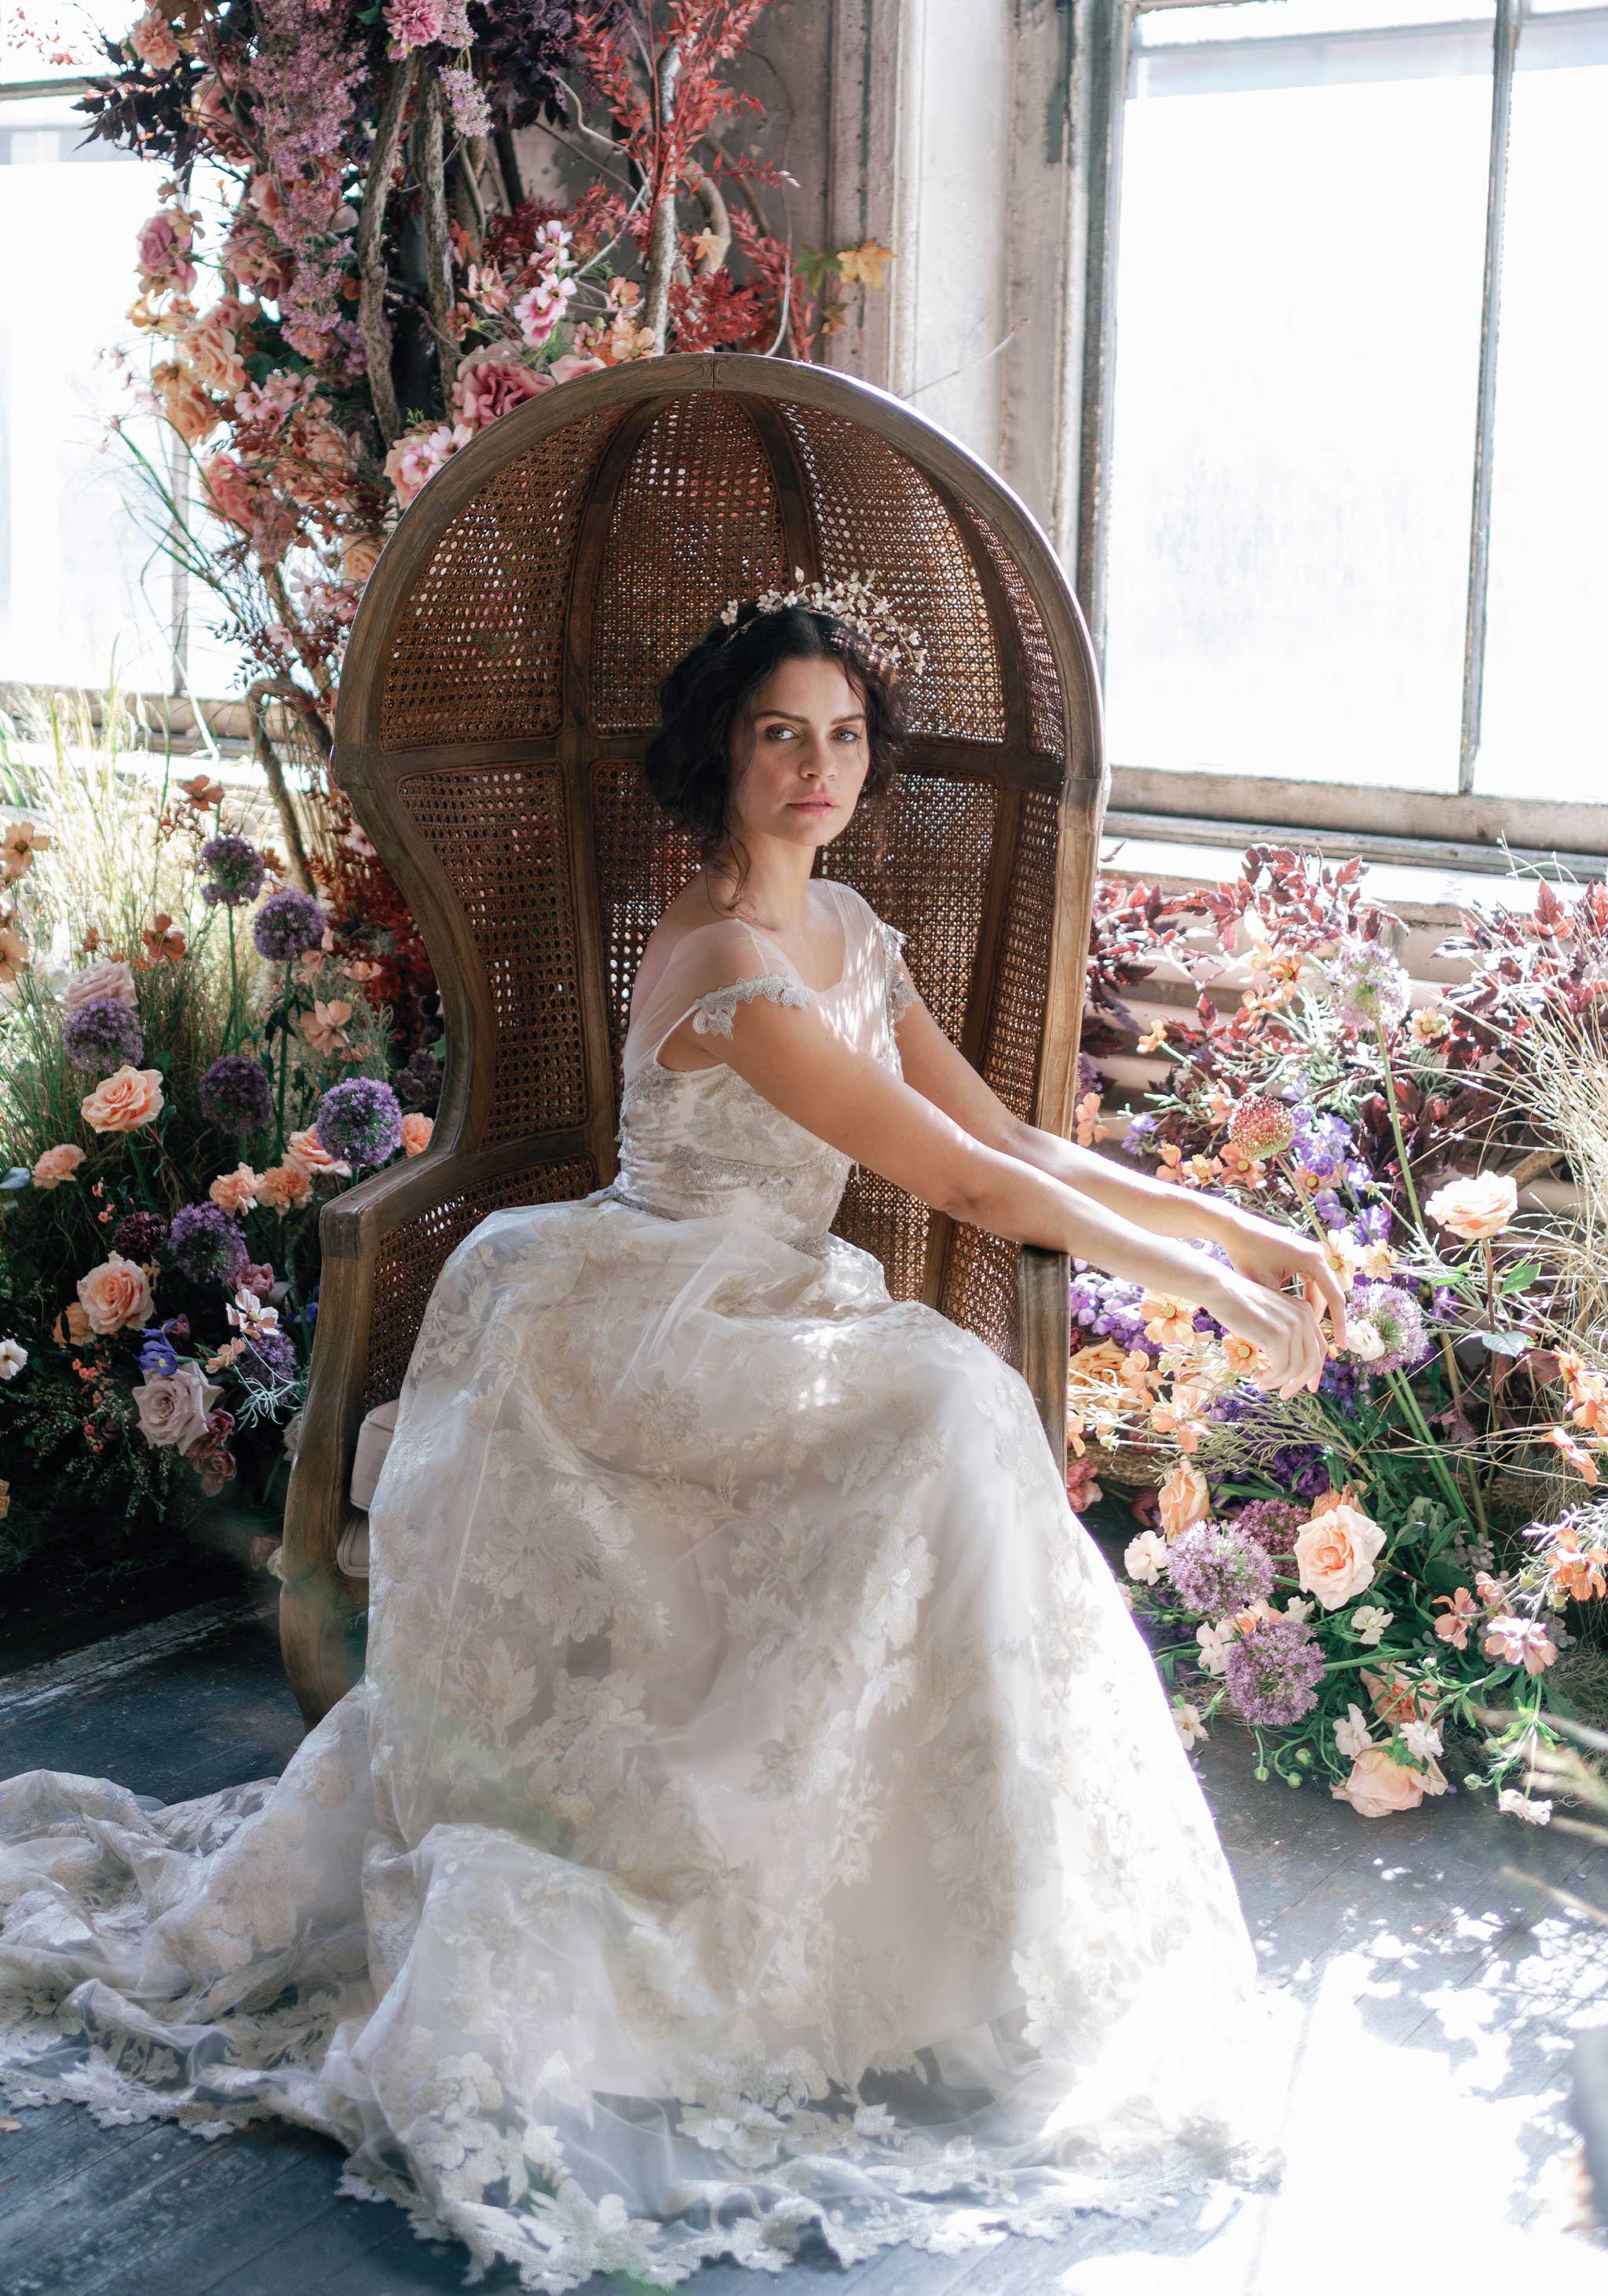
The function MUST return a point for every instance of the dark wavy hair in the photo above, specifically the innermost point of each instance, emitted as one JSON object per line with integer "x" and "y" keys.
{"x": 690, "y": 764}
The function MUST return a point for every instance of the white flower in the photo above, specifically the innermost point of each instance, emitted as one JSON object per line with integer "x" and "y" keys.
{"x": 1370, "y": 1622}
{"x": 1296, "y": 1609}
{"x": 1144, "y": 1557}
{"x": 1364, "y": 1339}
{"x": 1422, "y": 1739}
{"x": 1518, "y": 1805}
{"x": 1211, "y": 1640}
{"x": 13, "y": 1355}
{"x": 1352, "y": 1735}
{"x": 1190, "y": 1727}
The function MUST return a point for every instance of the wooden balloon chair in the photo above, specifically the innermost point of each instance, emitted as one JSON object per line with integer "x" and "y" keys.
{"x": 499, "y": 686}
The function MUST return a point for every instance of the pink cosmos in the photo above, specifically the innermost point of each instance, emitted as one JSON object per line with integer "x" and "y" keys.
{"x": 418, "y": 455}
{"x": 1519, "y": 1641}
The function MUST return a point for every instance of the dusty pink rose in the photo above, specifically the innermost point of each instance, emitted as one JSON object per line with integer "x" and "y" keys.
{"x": 418, "y": 455}
{"x": 488, "y": 386}
{"x": 417, "y": 1130}
{"x": 1379, "y": 1787}
{"x": 162, "y": 251}
{"x": 1474, "y": 1207}
{"x": 574, "y": 362}
{"x": 306, "y": 1151}
{"x": 127, "y": 1099}
{"x": 283, "y": 1186}
{"x": 152, "y": 41}
{"x": 1335, "y": 1555}
{"x": 235, "y": 1191}
{"x": 208, "y": 345}
{"x": 174, "y": 1409}
{"x": 253, "y": 254}
{"x": 1184, "y": 1498}
{"x": 108, "y": 976}
{"x": 57, "y": 1164}
{"x": 115, "y": 1293}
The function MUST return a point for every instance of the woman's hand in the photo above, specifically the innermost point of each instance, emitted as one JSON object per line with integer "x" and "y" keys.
{"x": 1285, "y": 1330}
{"x": 1273, "y": 1256}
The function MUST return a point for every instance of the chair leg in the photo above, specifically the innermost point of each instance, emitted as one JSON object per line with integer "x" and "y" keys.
{"x": 1044, "y": 1301}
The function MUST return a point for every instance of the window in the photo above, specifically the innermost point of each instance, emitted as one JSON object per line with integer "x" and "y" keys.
{"x": 1352, "y": 356}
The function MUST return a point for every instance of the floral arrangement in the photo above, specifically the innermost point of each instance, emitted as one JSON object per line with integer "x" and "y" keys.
{"x": 1363, "y": 1574}
{"x": 188, "y": 1068}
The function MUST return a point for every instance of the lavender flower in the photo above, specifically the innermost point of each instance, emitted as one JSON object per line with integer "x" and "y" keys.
{"x": 1324, "y": 1143}
{"x": 206, "y": 1244}
{"x": 1108, "y": 1308}
{"x": 140, "y": 1236}
{"x": 1272, "y": 1523}
{"x": 1135, "y": 1140}
{"x": 287, "y": 922}
{"x": 236, "y": 1093}
{"x": 235, "y": 868}
{"x": 1268, "y": 1673}
{"x": 359, "y": 1121}
{"x": 1217, "y": 1571}
{"x": 1399, "y": 1322}
{"x": 102, "y": 1033}
{"x": 1369, "y": 986}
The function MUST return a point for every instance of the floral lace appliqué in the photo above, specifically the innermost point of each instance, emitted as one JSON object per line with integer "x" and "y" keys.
{"x": 712, "y": 1014}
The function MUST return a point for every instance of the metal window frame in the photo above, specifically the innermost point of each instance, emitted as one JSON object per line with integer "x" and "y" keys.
{"x": 1175, "y": 800}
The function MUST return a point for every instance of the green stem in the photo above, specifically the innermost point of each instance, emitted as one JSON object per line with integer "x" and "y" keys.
{"x": 284, "y": 1057}
{"x": 231, "y": 1039}
{"x": 1438, "y": 1466}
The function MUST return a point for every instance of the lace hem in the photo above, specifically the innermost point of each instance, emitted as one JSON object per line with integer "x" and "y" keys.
{"x": 713, "y": 1013}
{"x": 901, "y": 994}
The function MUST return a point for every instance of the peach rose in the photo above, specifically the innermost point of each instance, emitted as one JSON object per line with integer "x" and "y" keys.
{"x": 235, "y": 1191}
{"x": 488, "y": 387}
{"x": 1395, "y": 1696}
{"x": 71, "y": 1326}
{"x": 308, "y": 1153}
{"x": 152, "y": 41}
{"x": 1379, "y": 1787}
{"x": 57, "y": 1164}
{"x": 1184, "y": 1498}
{"x": 174, "y": 1409}
{"x": 1335, "y": 1555}
{"x": 283, "y": 1186}
{"x": 185, "y": 403}
{"x": 115, "y": 1293}
{"x": 127, "y": 1099}
{"x": 209, "y": 346}
{"x": 106, "y": 977}
{"x": 359, "y": 556}
{"x": 417, "y": 1130}
{"x": 1474, "y": 1207}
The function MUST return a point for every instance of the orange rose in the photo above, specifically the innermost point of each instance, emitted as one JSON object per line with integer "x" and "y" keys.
{"x": 1185, "y": 1498}
{"x": 1379, "y": 1787}
{"x": 1476, "y": 1207}
{"x": 235, "y": 1191}
{"x": 1335, "y": 1555}
{"x": 283, "y": 1186}
{"x": 417, "y": 1130}
{"x": 115, "y": 1293}
{"x": 56, "y": 1165}
{"x": 128, "y": 1098}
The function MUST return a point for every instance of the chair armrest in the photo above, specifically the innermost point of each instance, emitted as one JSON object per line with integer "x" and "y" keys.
{"x": 1044, "y": 1302}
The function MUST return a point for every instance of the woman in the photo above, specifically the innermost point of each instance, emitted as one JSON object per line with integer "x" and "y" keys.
{"x": 759, "y": 1810}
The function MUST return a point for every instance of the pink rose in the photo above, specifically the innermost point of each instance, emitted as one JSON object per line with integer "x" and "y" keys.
{"x": 115, "y": 1293}
{"x": 216, "y": 118}
{"x": 488, "y": 386}
{"x": 255, "y": 256}
{"x": 152, "y": 41}
{"x": 57, "y": 1164}
{"x": 1335, "y": 1555}
{"x": 108, "y": 976}
{"x": 267, "y": 197}
{"x": 1379, "y": 1787}
{"x": 283, "y": 1186}
{"x": 417, "y": 1130}
{"x": 128, "y": 1098}
{"x": 235, "y": 1191}
{"x": 1184, "y": 1498}
{"x": 1474, "y": 1207}
{"x": 229, "y": 485}
{"x": 174, "y": 1409}
{"x": 162, "y": 251}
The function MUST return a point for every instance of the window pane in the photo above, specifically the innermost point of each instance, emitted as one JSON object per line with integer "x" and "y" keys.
{"x": 1542, "y": 716}
{"x": 1162, "y": 28}
{"x": 1297, "y": 367}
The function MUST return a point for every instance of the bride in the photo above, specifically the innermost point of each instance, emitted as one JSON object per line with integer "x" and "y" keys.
{"x": 759, "y": 1810}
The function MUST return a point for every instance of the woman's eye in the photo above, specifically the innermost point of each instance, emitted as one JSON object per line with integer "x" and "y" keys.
{"x": 778, "y": 733}
{"x": 849, "y": 733}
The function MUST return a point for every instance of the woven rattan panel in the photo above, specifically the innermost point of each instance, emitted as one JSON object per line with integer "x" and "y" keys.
{"x": 477, "y": 652}
{"x": 979, "y": 1290}
{"x": 694, "y": 522}
{"x": 411, "y": 1257}
{"x": 501, "y": 836}
{"x": 1013, "y": 1040}
{"x": 1047, "y": 722}
{"x": 643, "y": 862}
{"x": 875, "y": 515}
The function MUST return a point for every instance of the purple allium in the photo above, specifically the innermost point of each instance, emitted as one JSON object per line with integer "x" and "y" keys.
{"x": 206, "y": 1244}
{"x": 102, "y": 1033}
{"x": 268, "y": 1356}
{"x": 235, "y": 870}
{"x": 1272, "y": 1523}
{"x": 287, "y": 922}
{"x": 1217, "y": 1571}
{"x": 1369, "y": 986}
{"x": 359, "y": 1121}
{"x": 236, "y": 1093}
{"x": 140, "y": 1236}
{"x": 1268, "y": 1672}
{"x": 1399, "y": 1321}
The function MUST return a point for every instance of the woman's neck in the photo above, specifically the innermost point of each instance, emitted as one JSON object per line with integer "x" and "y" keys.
{"x": 774, "y": 895}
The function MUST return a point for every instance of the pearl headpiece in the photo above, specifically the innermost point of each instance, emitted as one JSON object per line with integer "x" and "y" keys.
{"x": 853, "y": 600}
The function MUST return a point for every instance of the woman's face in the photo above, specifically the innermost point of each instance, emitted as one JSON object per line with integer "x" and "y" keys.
{"x": 807, "y": 754}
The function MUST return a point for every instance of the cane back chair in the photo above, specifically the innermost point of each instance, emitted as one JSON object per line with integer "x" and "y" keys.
{"x": 499, "y": 686}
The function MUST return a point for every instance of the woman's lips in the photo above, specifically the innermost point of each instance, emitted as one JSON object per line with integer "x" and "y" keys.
{"x": 815, "y": 804}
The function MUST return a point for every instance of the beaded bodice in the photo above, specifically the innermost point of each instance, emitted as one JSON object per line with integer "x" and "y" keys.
{"x": 700, "y": 1141}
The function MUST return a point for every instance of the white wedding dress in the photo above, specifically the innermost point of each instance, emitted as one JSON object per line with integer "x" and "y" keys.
{"x": 759, "y": 1810}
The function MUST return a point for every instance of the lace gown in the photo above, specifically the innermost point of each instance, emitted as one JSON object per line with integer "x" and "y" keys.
{"x": 759, "y": 1810}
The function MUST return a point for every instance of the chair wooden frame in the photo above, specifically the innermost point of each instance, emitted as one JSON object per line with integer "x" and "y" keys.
{"x": 485, "y": 734}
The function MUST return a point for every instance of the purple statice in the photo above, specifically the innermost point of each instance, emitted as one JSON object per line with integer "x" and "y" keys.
{"x": 1369, "y": 986}
{"x": 1269, "y": 1671}
{"x": 236, "y": 1093}
{"x": 1399, "y": 1322}
{"x": 1217, "y": 1571}
{"x": 1337, "y": 1380}
{"x": 1107, "y": 1307}
{"x": 235, "y": 870}
{"x": 140, "y": 1236}
{"x": 1272, "y": 1523}
{"x": 1299, "y": 1468}
{"x": 359, "y": 1121}
{"x": 102, "y": 1033}
{"x": 206, "y": 1244}
{"x": 288, "y": 922}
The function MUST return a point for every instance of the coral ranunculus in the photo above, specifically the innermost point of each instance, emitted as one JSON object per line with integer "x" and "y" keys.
{"x": 1334, "y": 1554}
{"x": 417, "y": 1130}
{"x": 127, "y": 1099}
{"x": 1474, "y": 1207}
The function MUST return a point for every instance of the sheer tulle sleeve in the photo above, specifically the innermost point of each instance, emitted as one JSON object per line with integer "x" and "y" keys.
{"x": 900, "y": 988}
{"x": 712, "y": 1011}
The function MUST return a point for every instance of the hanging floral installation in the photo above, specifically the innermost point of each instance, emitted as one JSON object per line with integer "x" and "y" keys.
{"x": 1359, "y": 1574}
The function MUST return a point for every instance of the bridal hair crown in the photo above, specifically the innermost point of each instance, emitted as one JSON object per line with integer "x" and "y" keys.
{"x": 853, "y": 600}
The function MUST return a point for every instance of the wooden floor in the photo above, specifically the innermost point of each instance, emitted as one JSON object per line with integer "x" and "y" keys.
{"x": 1438, "y": 1995}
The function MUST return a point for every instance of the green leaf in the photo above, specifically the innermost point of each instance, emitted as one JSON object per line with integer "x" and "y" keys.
{"x": 1518, "y": 1277}
{"x": 1503, "y": 1343}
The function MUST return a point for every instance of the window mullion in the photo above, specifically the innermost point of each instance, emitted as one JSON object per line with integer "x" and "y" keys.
{"x": 1107, "y": 111}
{"x": 1504, "y": 43}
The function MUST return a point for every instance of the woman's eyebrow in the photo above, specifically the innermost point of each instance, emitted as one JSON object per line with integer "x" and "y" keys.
{"x": 849, "y": 717}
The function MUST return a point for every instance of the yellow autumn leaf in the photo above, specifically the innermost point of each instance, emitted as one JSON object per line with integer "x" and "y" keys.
{"x": 866, "y": 262}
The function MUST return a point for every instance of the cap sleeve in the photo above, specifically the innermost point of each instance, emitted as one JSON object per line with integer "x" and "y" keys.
{"x": 900, "y": 988}
{"x": 712, "y": 1011}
